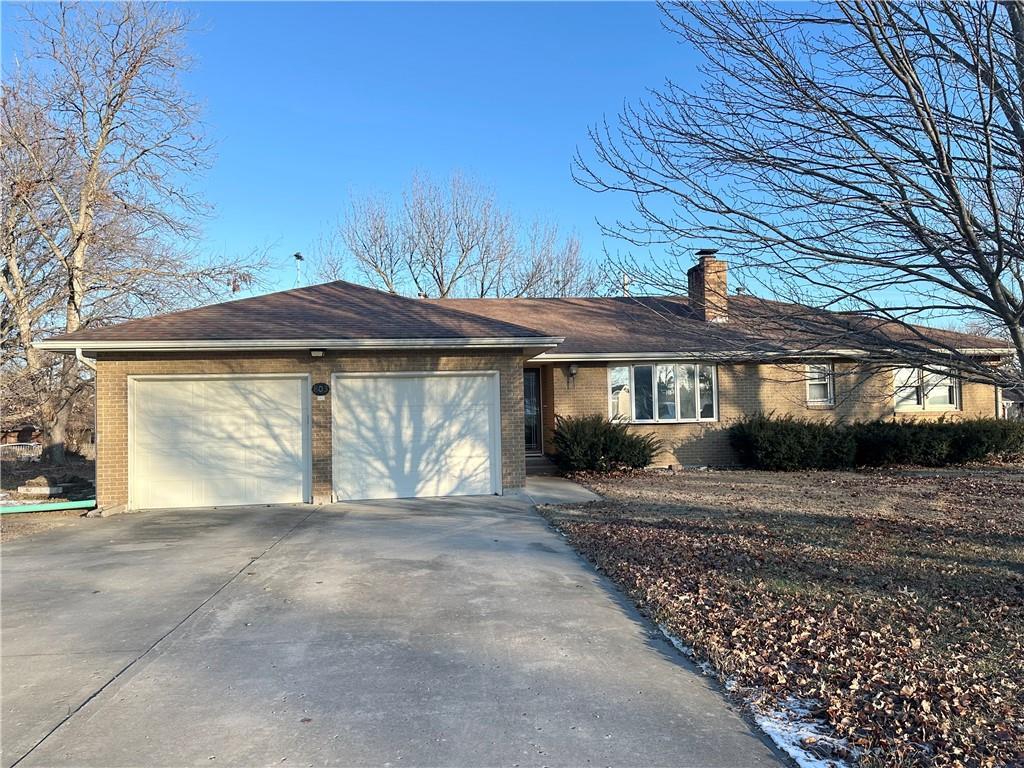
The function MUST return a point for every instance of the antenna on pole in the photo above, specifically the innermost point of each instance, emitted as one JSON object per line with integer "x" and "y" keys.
{"x": 298, "y": 268}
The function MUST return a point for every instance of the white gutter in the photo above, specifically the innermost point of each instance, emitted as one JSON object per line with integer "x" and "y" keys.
{"x": 530, "y": 342}
{"x": 737, "y": 355}
{"x": 984, "y": 351}
{"x": 255, "y": 345}
{"x": 611, "y": 356}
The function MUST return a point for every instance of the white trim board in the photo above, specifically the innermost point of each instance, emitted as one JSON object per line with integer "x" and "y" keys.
{"x": 251, "y": 345}
{"x": 721, "y": 357}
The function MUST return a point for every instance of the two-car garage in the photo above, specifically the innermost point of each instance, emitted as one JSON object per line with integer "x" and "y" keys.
{"x": 316, "y": 394}
{"x": 239, "y": 439}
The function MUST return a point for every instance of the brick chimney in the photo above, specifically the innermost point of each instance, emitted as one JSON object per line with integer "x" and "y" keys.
{"x": 708, "y": 286}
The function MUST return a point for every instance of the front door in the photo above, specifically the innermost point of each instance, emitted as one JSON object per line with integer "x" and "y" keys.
{"x": 531, "y": 408}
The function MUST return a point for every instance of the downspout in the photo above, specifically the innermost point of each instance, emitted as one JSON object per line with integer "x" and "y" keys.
{"x": 80, "y": 357}
{"x": 91, "y": 365}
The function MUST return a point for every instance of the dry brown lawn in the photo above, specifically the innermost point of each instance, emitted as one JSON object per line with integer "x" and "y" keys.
{"x": 18, "y": 526}
{"x": 894, "y": 601}
{"x": 15, "y": 473}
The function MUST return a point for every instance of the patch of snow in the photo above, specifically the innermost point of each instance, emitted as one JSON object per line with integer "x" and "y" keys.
{"x": 793, "y": 729}
{"x": 689, "y": 653}
{"x": 789, "y": 725}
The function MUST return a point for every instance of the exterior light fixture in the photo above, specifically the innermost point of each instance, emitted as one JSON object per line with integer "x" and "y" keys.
{"x": 573, "y": 370}
{"x": 316, "y": 352}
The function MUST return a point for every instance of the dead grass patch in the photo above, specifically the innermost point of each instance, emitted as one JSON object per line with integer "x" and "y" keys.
{"x": 894, "y": 600}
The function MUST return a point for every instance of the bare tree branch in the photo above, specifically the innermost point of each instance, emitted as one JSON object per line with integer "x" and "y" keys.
{"x": 452, "y": 240}
{"x": 98, "y": 141}
{"x": 854, "y": 156}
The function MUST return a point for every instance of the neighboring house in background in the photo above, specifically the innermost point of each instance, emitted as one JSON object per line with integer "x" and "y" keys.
{"x": 80, "y": 441}
{"x": 339, "y": 391}
{"x": 21, "y": 433}
{"x": 1012, "y": 401}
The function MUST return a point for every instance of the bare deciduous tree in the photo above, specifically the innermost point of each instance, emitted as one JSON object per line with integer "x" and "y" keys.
{"x": 859, "y": 156}
{"x": 452, "y": 240}
{"x": 99, "y": 141}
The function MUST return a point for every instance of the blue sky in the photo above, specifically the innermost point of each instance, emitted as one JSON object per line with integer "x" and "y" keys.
{"x": 311, "y": 102}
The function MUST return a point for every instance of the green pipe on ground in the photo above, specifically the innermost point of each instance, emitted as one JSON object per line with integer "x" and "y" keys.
{"x": 54, "y": 506}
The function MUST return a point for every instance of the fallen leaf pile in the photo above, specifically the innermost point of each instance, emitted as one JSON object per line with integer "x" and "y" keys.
{"x": 894, "y": 601}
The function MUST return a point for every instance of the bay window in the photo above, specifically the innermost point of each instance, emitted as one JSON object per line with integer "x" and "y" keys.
{"x": 920, "y": 390}
{"x": 663, "y": 392}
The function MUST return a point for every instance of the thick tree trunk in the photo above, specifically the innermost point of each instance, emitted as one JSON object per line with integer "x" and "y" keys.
{"x": 54, "y": 427}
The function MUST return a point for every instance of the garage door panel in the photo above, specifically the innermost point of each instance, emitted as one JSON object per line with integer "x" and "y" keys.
{"x": 216, "y": 442}
{"x": 405, "y": 436}
{"x": 155, "y": 462}
{"x": 462, "y": 428}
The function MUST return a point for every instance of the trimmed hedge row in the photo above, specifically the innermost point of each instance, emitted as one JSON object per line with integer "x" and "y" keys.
{"x": 595, "y": 444}
{"x": 785, "y": 443}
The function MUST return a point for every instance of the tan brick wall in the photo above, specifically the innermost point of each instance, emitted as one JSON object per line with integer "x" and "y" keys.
{"x": 112, "y": 371}
{"x": 742, "y": 390}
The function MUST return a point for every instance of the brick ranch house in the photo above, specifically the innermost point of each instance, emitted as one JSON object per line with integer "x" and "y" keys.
{"x": 339, "y": 391}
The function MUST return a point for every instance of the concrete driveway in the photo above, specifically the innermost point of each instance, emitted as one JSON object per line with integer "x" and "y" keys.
{"x": 456, "y": 632}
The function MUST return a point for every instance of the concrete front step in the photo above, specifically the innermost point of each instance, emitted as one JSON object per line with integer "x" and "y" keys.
{"x": 540, "y": 465}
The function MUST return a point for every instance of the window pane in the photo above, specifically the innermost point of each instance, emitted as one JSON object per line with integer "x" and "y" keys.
{"x": 908, "y": 391}
{"x": 908, "y": 397}
{"x": 666, "y": 391}
{"x": 643, "y": 396}
{"x": 819, "y": 383}
{"x": 619, "y": 378}
{"x": 687, "y": 392}
{"x": 938, "y": 391}
{"x": 818, "y": 372}
{"x": 707, "y": 392}
{"x": 906, "y": 377}
{"x": 817, "y": 392}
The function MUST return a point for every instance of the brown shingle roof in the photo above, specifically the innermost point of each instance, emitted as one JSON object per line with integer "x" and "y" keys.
{"x": 597, "y": 325}
{"x": 337, "y": 310}
{"x": 609, "y": 325}
{"x": 654, "y": 324}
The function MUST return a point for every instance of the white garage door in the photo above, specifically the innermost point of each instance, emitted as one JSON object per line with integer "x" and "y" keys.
{"x": 199, "y": 442}
{"x": 400, "y": 436}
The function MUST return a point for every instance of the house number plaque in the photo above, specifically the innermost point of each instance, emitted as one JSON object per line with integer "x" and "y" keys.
{"x": 320, "y": 389}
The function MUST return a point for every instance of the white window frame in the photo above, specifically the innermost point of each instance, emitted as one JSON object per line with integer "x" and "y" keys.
{"x": 923, "y": 406}
{"x": 829, "y": 381}
{"x": 654, "y": 392}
